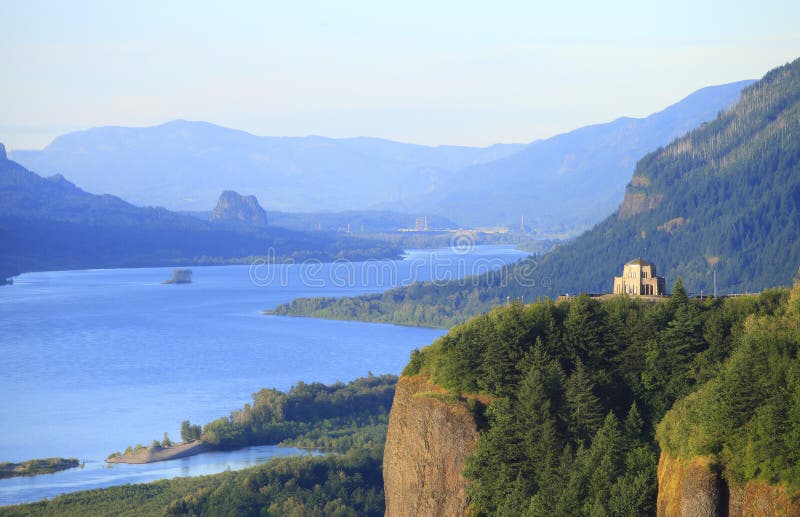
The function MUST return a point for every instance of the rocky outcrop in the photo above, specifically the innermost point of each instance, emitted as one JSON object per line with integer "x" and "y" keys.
{"x": 637, "y": 200}
{"x": 431, "y": 433}
{"x": 688, "y": 488}
{"x": 761, "y": 499}
{"x": 3, "y": 155}
{"x": 696, "y": 488}
{"x": 233, "y": 208}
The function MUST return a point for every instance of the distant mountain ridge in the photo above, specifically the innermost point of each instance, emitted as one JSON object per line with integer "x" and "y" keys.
{"x": 575, "y": 179}
{"x": 185, "y": 165}
{"x": 565, "y": 182}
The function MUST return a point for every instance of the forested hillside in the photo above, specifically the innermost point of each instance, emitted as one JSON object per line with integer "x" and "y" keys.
{"x": 747, "y": 417}
{"x": 725, "y": 198}
{"x": 577, "y": 390}
{"x": 329, "y": 417}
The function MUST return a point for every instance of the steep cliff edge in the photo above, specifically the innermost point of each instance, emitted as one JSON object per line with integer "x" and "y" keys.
{"x": 731, "y": 447}
{"x": 688, "y": 488}
{"x": 431, "y": 433}
{"x": 695, "y": 487}
{"x": 549, "y": 441}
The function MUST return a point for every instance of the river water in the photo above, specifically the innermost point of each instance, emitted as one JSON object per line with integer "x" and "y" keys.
{"x": 93, "y": 361}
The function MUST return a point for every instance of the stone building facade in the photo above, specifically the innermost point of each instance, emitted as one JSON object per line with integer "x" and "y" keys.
{"x": 639, "y": 279}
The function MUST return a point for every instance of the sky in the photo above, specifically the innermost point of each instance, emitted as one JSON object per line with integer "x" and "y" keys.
{"x": 466, "y": 73}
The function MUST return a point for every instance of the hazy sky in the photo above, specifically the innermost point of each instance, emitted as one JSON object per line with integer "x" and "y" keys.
{"x": 471, "y": 73}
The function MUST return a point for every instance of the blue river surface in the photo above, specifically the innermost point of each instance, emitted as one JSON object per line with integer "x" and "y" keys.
{"x": 92, "y": 361}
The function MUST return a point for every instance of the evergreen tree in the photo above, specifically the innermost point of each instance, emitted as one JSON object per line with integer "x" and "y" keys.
{"x": 190, "y": 432}
{"x": 634, "y": 424}
{"x": 667, "y": 373}
{"x": 585, "y": 409}
{"x": 634, "y": 492}
{"x": 583, "y": 331}
{"x": 538, "y": 401}
{"x": 495, "y": 463}
{"x": 467, "y": 349}
{"x": 607, "y": 457}
{"x": 504, "y": 350}
{"x": 678, "y": 298}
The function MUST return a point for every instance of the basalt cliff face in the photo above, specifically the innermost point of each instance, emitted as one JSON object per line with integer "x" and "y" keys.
{"x": 695, "y": 488}
{"x": 429, "y": 439}
{"x": 431, "y": 434}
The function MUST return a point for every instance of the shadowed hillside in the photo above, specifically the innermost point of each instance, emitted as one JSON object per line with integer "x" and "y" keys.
{"x": 49, "y": 224}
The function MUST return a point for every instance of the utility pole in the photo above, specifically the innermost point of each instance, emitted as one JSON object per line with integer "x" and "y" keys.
{"x": 715, "y": 283}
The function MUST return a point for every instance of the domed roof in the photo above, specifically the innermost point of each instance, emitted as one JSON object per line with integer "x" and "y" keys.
{"x": 638, "y": 262}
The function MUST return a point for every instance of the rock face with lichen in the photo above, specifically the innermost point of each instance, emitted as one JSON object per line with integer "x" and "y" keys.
{"x": 688, "y": 488}
{"x": 695, "y": 488}
{"x": 430, "y": 435}
{"x": 235, "y": 209}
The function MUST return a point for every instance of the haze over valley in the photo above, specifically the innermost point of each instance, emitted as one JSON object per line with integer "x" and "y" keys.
{"x": 354, "y": 259}
{"x": 184, "y": 165}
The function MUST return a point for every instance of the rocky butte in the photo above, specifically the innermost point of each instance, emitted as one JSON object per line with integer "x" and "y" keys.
{"x": 236, "y": 209}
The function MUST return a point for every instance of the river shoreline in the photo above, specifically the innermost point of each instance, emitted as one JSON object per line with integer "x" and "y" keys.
{"x": 154, "y": 454}
{"x": 37, "y": 467}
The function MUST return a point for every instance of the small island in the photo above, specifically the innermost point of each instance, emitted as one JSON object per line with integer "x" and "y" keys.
{"x": 36, "y": 467}
{"x": 180, "y": 276}
{"x": 156, "y": 452}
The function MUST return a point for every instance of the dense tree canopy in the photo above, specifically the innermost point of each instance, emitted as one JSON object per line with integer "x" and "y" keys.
{"x": 579, "y": 386}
